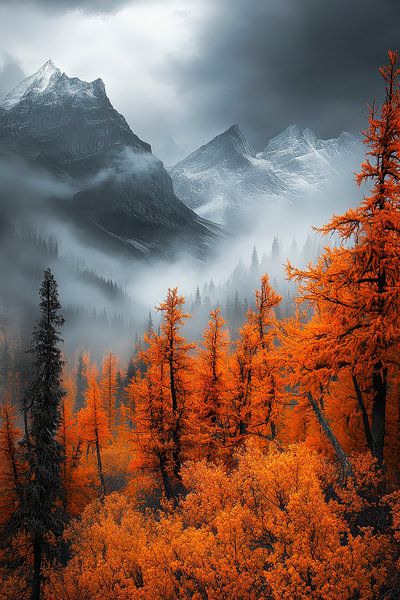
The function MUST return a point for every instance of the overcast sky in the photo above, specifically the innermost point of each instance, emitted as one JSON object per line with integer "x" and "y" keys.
{"x": 182, "y": 71}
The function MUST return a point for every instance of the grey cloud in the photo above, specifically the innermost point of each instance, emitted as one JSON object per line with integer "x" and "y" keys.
{"x": 268, "y": 64}
{"x": 90, "y": 6}
{"x": 10, "y": 73}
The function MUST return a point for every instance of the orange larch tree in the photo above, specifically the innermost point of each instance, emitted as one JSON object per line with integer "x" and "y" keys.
{"x": 270, "y": 390}
{"x": 207, "y": 415}
{"x": 161, "y": 397}
{"x": 93, "y": 425}
{"x": 10, "y": 465}
{"x": 174, "y": 351}
{"x": 152, "y": 420}
{"x": 255, "y": 379}
{"x": 109, "y": 388}
{"x": 354, "y": 287}
{"x": 74, "y": 475}
{"x": 242, "y": 384}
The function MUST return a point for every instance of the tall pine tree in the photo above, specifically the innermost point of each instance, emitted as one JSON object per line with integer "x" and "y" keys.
{"x": 40, "y": 514}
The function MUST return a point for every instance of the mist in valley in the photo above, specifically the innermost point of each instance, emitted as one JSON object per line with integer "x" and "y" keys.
{"x": 109, "y": 297}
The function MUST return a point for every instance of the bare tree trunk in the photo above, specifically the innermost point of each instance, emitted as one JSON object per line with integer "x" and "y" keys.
{"x": 37, "y": 567}
{"x": 340, "y": 453}
{"x": 379, "y": 383}
{"x": 176, "y": 438}
{"x": 100, "y": 469}
{"x": 364, "y": 414}
{"x": 165, "y": 479}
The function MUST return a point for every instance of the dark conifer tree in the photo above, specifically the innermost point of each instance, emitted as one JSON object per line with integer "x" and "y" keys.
{"x": 149, "y": 323}
{"x": 197, "y": 298}
{"x": 254, "y": 264}
{"x": 40, "y": 514}
{"x": 275, "y": 250}
{"x": 130, "y": 372}
{"x": 81, "y": 383}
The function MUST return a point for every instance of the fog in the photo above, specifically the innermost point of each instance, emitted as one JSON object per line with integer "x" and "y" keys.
{"x": 107, "y": 296}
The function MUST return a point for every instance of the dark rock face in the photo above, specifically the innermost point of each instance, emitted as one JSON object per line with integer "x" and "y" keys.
{"x": 64, "y": 117}
{"x": 69, "y": 128}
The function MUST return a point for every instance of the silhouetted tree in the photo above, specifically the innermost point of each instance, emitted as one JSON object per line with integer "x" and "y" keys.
{"x": 40, "y": 516}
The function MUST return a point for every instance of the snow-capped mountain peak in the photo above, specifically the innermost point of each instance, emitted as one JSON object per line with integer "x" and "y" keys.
{"x": 124, "y": 198}
{"x": 64, "y": 117}
{"x": 229, "y": 149}
{"x": 225, "y": 178}
{"x": 51, "y": 86}
{"x": 237, "y": 139}
{"x": 293, "y": 138}
{"x": 35, "y": 84}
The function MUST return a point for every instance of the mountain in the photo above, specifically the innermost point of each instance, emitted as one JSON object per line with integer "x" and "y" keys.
{"x": 122, "y": 197}
{"x": 226, "y": 180}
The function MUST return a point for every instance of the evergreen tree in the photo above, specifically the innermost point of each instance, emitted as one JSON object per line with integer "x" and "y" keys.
{"x": 254, "y": 264}
{"x": 81, "y": 382}
{"x": 197, "y": 298}
{"x": 130, "y": 372}
{"x": 40, "y": 516}
{"x": 149, "y": 323}
{"x": 275, "y": 251}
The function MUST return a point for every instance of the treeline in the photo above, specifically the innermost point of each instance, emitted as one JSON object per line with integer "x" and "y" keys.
{"x": 263, "y": 465}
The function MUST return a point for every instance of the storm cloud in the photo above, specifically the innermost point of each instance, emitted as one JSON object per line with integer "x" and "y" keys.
{"x": 90, "y": 6}
{"x": 10, "y": 73}
{"x": 266, "y": 65}
{"x": 183, "y": 71}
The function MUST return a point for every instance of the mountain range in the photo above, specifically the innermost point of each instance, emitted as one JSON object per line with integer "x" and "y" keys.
{"x": 121, "y": 197}
{"x": 227, "y": 181}
{"x": 81, "y": 193}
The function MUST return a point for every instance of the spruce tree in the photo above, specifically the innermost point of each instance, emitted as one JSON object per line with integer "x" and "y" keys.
{"x": 40, "y": 515}
{"x": 254, "y": 264}
{"x": 81, "y": 382}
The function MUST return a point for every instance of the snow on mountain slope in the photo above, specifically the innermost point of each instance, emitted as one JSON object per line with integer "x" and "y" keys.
{"x": 122, "y": 195}
{"x": 65, "y": 119}
{"x": 35, "y": 84}
{"x": 226, "y": 181}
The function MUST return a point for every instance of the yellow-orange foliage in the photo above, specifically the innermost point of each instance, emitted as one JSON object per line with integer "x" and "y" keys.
{"x": 354, "y": 287}
{"x": 208, "y": 408}
{"x": 10, "y": 467}
{"x": 161, "y": 396}
{"x": 108, "y": 385}
{"x": 93, "y": 425}
{"x": 264, "y": 530}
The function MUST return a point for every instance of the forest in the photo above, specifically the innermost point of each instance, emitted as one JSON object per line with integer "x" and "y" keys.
{"x": 261, "y": 463}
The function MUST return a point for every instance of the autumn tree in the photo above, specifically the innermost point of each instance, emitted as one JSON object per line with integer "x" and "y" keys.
{"x": 353, "y": 289}
{"x": 270, "y": 388}
{"x": 161, "y": 396}
{"x": 255, "y": 381}
{"x": 109, "y": 388}
{"x": 10, "y": 465}
{"x": 73, "y": 474}
{"x": 264, "y": 529}
{"x": 241, "y": 385}
{"x": 93, "y": 426}
{"x": 174, "y": 353}
{"x": 153, "y": 418}
{"x": 207, "y": 415}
